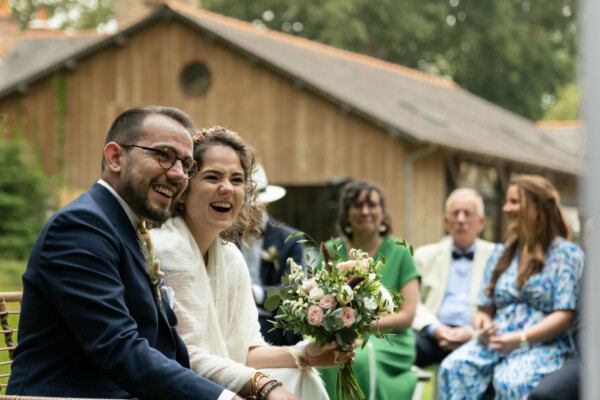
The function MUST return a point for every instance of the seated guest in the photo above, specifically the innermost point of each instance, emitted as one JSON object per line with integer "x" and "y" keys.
{"x": 565, "y": 383}
{"x": 451, "y": 274}
{"x": 93, "y": 322}
{"x": 383, "y": 370}
{"x": 527, "y": 303}
{"x": 218, "y": 319}
{"x": 267, "y": 255}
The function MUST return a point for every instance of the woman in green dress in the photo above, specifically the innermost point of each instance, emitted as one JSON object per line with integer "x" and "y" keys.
{"x": 383, "y": 371}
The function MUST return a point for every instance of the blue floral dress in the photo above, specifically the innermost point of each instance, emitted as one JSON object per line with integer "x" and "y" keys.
{"x": 466, "y": 372}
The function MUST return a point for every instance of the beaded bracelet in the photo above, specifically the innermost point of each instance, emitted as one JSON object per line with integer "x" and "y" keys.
{"x": 268, "y": 390}
{"x": 264, "y": 386}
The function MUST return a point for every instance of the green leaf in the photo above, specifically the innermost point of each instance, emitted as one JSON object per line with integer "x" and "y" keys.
{"x": 293, "y": 235}
{"x": 338, "y": 339}
{"x": 272, "y": 302}
{"x": 272, "y": 291}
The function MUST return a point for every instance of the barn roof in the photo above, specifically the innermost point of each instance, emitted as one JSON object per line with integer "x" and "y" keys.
{"x": 407, "y": 103}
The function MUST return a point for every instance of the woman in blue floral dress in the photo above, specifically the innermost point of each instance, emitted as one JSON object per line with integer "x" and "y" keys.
{"x": 527, "y": 302}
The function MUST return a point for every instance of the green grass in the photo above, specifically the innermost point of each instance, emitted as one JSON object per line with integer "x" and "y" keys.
{"x": 10, "y": 275}
{"x": 429, "y": 387}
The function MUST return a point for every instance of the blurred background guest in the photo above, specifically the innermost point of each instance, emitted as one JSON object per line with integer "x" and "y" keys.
{"x": 266, "y": 256}
{"x": 383, "y": 371}
{"x": 451, "y": 274}
{"x": 527, "y": 303}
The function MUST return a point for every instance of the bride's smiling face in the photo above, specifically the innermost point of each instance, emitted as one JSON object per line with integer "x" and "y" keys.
{"x": 216, "y": 193}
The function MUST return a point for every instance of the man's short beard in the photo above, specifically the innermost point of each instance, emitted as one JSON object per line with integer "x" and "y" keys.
{"x": 136, "y": 196}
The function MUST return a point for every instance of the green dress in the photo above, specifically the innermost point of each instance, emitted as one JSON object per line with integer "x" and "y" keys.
{"x": 393, "y": 378}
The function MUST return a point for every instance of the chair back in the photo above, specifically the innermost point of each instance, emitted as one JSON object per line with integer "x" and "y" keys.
{"x": 10, "y": 307}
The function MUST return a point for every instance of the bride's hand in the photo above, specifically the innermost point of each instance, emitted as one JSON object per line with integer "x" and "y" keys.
{"x": 326, "y": 356}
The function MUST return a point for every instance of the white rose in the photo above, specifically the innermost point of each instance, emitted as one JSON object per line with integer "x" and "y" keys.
{"x": 316, "y": 294}
{"x": 345, "y": 295}
{"x": 370, "y": 303}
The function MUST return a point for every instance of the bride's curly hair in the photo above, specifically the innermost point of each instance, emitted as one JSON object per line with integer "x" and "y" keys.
{"x": 249, "y": 219}
{"x": 540, "y": 222}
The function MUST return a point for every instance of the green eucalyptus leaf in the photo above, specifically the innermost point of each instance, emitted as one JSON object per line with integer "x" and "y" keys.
{"x": 272, "y": 291}
{"x": 272, "y": 302}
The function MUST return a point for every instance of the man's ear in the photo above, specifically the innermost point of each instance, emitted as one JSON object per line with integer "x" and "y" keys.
{"x": 112, "y": 154}
{"x": 481, "y": 224}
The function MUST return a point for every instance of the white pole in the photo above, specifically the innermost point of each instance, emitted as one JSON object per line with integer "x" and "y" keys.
{"x": 590, "y": 50}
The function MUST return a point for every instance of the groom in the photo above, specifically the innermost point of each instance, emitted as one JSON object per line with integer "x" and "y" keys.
{"x": 91, "y": 323}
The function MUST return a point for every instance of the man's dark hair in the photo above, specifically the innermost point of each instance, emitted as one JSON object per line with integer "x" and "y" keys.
{"x": 127, "y": 127}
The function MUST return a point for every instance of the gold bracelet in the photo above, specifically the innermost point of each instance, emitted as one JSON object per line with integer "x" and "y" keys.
{"x": 254, "y": 383}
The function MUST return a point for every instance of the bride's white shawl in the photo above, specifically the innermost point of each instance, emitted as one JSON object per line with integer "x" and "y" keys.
{"x": 217, "y": 317}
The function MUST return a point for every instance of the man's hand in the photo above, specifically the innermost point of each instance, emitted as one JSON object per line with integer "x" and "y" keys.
{"x": 449, "y": 338}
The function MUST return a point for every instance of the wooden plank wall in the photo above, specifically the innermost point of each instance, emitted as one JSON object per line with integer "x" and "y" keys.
{"x": 300, "y": 137}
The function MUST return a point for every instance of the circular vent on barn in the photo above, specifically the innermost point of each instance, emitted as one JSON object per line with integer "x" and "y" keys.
{"x": 195, "y": 79}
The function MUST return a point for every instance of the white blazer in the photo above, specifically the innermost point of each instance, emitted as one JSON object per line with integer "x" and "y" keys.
{"x": 433, "y": 263}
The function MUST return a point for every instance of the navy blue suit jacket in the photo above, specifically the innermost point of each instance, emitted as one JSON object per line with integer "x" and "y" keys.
{"x": 275, "y": 235}
{"x": 89, "y": 325}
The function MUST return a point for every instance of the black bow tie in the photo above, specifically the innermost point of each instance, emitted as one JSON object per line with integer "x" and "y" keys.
{"x": 456, "y": 255}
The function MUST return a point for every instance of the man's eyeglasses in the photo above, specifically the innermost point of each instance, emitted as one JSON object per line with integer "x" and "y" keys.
{"x": 167, "y": 158}
{"x": 456, "y": 213}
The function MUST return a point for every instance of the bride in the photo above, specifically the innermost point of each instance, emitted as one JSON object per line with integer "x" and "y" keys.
{"x": 217, "y": 317}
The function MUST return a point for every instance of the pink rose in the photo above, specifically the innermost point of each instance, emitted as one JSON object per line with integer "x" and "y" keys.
{"x": 315, "y": 315}
{"x": 327, "y": 302}
{"x": 347, "y": 266}
{"x": 308, "y": 285}
{"x": 348, "y": 315}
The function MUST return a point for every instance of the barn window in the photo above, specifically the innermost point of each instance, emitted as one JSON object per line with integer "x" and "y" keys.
{"x": 195, "y": 79}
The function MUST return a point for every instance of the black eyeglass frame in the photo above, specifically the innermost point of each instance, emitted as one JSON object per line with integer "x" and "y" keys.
{"x": 167, "y": 150}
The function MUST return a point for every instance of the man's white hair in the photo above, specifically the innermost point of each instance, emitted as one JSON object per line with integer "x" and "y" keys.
{"x": 469, "y": 192}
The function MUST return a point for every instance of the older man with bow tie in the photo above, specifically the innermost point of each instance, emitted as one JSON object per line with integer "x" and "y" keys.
{"x": 451, "y": 274}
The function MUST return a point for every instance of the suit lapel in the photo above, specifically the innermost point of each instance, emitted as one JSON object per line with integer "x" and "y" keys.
{"x": 441, "y": 259}
{"x": 118, "y": 217}
{"x": 128, "y": 233}
{"x": 479, "y": 261}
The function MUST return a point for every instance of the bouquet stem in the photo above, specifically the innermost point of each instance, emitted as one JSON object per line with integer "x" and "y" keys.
{"x": 346, "y": 387}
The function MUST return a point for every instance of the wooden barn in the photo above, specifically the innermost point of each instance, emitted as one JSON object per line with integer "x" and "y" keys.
{"x": 317, "y": 115}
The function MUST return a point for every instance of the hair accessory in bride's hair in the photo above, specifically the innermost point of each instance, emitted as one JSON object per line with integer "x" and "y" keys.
{"x": 198, "y": 136}
{"x": 201, "y": 134}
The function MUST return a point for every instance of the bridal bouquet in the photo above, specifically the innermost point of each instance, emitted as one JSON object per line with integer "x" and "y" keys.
{"x": 339, "y": 302}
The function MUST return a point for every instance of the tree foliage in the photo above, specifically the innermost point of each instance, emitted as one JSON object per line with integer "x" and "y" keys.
{"x": 515, "y": 53}
{"x": 23, "y": 199}
{"x": 76, "y": 14}
{"x": 567, "y": 106}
